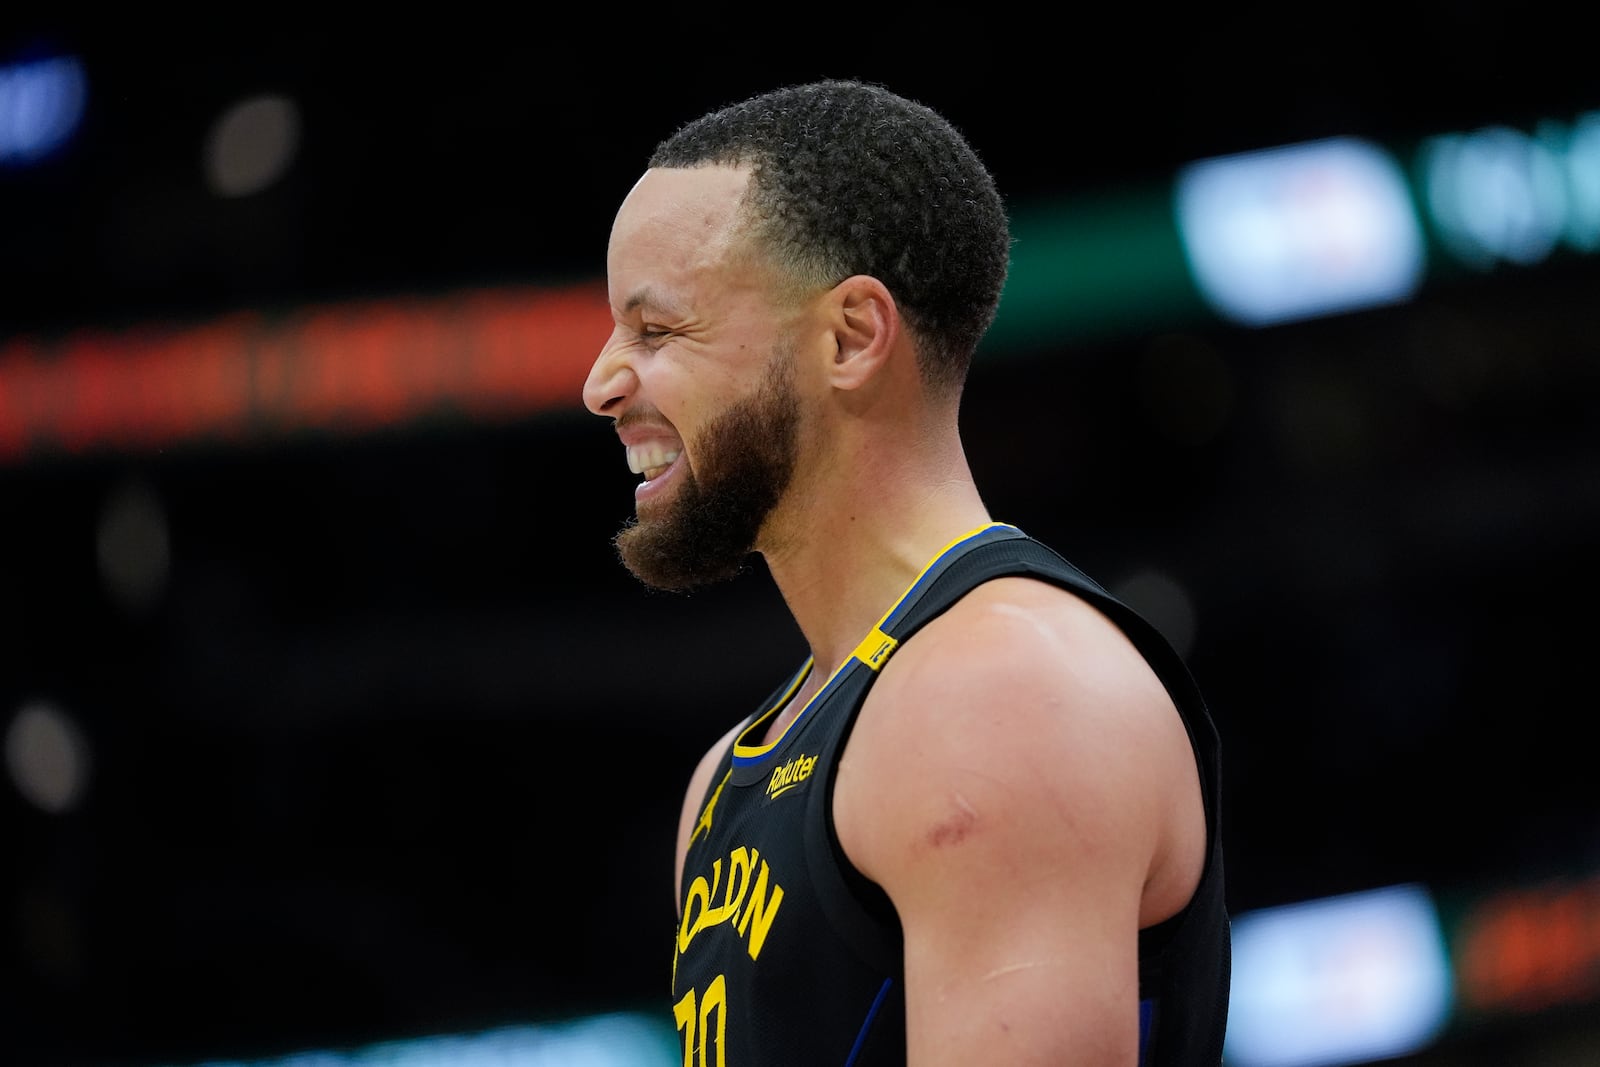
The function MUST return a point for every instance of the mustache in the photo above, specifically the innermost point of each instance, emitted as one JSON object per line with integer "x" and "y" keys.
{"x": 640, "y": 417}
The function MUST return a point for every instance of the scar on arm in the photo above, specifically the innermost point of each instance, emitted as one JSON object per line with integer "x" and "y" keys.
{"x": 1011, "y": 968}
{"x": 956, "y": 826}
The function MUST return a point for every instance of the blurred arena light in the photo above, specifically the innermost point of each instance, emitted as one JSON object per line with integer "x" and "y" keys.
{"x": 41, "y": 105}
{"x": 1300, "y": 230}
{"x": 1254, "y": 239}
{"x": 1339, "y": 980}
{"x": 1499, "y": 194}
{"x": 616, "y": 1039}
{"x": 1523, "y": 949}
{"x": 251, "y": 145}
{"x": 48, "y": 757}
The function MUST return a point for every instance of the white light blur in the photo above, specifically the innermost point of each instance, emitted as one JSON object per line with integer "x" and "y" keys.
{"x": 41, "y": 104}
{"x": 1165, "y": 603}
{"x": 251, "y": 145}
{"x": 1338, "y": 980}
{"x": 1583, "y": 183}
{"x": 1299, "y": 231}
{"x": 133, "y": 548}
{"x": 1497, "y": 194}
{"x": 47, "y": 757}
{"x": 620, "y": 1039}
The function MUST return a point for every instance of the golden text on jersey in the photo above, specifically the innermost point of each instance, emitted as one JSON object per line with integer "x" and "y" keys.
{"x": 736, "y": 899}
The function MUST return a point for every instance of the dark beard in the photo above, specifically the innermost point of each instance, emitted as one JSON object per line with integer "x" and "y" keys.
{"x": 708, "y": 530}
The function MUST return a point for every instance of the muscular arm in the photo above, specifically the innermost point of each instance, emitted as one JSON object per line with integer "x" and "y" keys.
{"x": 1022, "y": 788}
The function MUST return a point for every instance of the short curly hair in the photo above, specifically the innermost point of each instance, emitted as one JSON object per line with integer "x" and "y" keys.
{"x": 847, "y": 178}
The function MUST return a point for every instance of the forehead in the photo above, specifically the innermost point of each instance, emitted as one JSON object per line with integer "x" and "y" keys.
{"x": 674, "y": 225}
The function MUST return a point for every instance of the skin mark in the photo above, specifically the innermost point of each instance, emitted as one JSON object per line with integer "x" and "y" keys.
{"x": 953, "y": 830}
{"x": 1009, "y": 968}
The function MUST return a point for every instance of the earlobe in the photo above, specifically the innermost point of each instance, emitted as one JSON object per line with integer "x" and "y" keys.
{"x": 866, "y": 330}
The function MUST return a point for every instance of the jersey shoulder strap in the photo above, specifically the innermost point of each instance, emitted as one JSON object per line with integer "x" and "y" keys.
{"x": 1000, "y": 551}
{"x": 1006, "y": 551}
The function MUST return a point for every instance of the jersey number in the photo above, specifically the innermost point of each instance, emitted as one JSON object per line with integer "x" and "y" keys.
{"x": 694, "y": 1023}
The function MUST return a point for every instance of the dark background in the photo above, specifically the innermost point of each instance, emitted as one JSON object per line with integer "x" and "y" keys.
{"x": 399, "y": 748}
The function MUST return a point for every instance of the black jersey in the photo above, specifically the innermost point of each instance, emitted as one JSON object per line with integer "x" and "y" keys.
{"x": 787, "y": 955}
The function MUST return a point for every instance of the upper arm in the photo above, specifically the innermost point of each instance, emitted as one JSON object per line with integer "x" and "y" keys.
{"x": 1004, "y": 787}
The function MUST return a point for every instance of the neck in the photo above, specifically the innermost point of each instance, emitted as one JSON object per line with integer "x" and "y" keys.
{"x": 857, "y": 532}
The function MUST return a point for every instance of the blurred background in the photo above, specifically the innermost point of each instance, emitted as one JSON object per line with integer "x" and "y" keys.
{"x": 334, "y": 732}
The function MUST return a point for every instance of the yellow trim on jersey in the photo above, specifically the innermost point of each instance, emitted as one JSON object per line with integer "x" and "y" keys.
{"x": 739, "y": 747}
{"x": 875, "y": 649}
{"x": 871, "y": 651}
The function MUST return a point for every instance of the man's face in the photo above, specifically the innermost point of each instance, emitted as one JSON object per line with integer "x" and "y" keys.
{"x": 699, "y": 377}
{"x": 705, "y": 529}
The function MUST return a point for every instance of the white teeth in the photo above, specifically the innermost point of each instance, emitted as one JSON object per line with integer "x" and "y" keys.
{"x": 650, "y": 457}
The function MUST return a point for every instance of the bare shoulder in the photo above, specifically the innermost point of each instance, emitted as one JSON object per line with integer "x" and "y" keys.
{"x": 1022, "y": 722}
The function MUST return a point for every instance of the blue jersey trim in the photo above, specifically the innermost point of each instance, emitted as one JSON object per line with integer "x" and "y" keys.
{"x": 908, "y": 599}
{"x": 866, "y": 1025}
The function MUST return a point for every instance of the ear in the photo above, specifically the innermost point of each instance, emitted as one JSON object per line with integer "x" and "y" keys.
{"x": 866, "y": 329}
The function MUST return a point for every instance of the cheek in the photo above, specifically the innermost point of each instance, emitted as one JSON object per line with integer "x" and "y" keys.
{"x": 690, "y": 388}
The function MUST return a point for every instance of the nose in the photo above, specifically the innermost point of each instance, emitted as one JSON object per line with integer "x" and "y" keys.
{"x": 611, "y": 380}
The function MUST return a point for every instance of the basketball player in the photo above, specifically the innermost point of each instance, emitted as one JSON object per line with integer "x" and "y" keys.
{"x": 979, "y": 824}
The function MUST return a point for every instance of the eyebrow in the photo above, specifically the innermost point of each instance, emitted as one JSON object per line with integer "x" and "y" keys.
{"x": 649, "y": 297}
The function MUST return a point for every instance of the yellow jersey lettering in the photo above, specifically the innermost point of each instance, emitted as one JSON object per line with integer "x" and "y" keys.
{"x": 739, "y": 866}
{"x": 715, "y": 1000}
{"x": 700, "y": 1047}
{"x": 762, "y": 912}
{"x": 741, "y": 904}
{"x": 790, "y": 775}
{"x": 684, "y": 1013}
{"x": 696, "y": 919}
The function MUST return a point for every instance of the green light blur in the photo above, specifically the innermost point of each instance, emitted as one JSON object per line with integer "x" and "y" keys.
{"x": 1093, "y": 269}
